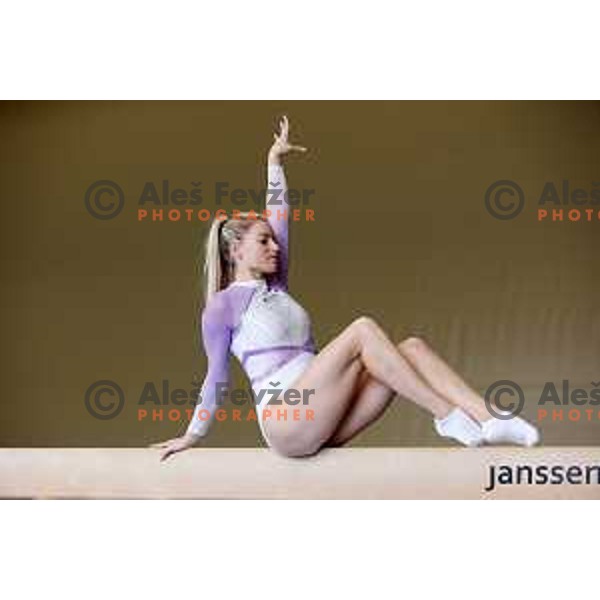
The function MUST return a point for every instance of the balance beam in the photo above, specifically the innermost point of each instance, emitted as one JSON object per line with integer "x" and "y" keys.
{"x": 245, "y": 473}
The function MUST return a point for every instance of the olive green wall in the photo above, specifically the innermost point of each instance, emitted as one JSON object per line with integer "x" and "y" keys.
{"x": 401, "y": 233}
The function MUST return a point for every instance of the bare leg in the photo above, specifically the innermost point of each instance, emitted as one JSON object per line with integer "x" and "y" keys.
{"x": 373, "y": 397}
{"x": 442, "y": 378}
{"x": 371, "y": 401}
{"x": 334, "y": 375}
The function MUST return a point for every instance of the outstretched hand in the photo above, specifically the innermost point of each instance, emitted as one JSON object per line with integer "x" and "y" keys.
{"x": 178, "y": 444}
{"x": 281, "y": 144}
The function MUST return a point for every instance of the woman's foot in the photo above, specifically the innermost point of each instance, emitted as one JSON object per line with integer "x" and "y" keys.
{"x": 459, "y": 426}
{"x": 509, "y": 431}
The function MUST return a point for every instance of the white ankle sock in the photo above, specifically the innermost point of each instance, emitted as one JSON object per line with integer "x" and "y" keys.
{"x": 510, "y": 431}
{"x": 459, "y": 426}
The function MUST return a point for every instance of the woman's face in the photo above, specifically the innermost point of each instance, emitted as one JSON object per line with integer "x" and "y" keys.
{"x": 257, "y": 252}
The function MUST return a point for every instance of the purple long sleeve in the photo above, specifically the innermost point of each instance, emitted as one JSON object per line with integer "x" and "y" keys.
{"x": 279, "y": 221}
{"x": 216, "y": 335}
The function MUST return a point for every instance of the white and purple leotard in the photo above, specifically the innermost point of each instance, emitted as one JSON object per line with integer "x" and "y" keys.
{"x": 260, "y": 323}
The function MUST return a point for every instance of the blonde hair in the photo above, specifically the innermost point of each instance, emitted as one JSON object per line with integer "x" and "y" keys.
{"x": 219, "y": 266}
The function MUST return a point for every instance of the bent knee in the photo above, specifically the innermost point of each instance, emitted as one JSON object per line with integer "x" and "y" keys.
{"x": 364, "y": 322}
{"x": 412, "y": 342}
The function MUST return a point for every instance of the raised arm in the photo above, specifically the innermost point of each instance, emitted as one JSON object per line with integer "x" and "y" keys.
{"x": 280, "y": 212}
{"x": 279, "y": 217}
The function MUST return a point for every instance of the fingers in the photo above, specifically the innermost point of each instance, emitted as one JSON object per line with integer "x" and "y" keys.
{"x": 282, "y": 138}
{"x": 166, "y": 444}
{"x": 284, "y": 127}
{"x": 159, "y": 445}
{"x": 165, "y": 455}
{"x": 172, "y": 448}
{"x": 169, "y": 448}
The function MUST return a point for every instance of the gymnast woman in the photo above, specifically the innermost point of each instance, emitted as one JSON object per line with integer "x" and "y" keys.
{"x": 351, "y": 381}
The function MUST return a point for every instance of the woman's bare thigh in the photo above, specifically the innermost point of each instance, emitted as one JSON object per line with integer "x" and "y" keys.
{"x": 333, "y": 374}
{"x": 368, "y": 404}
